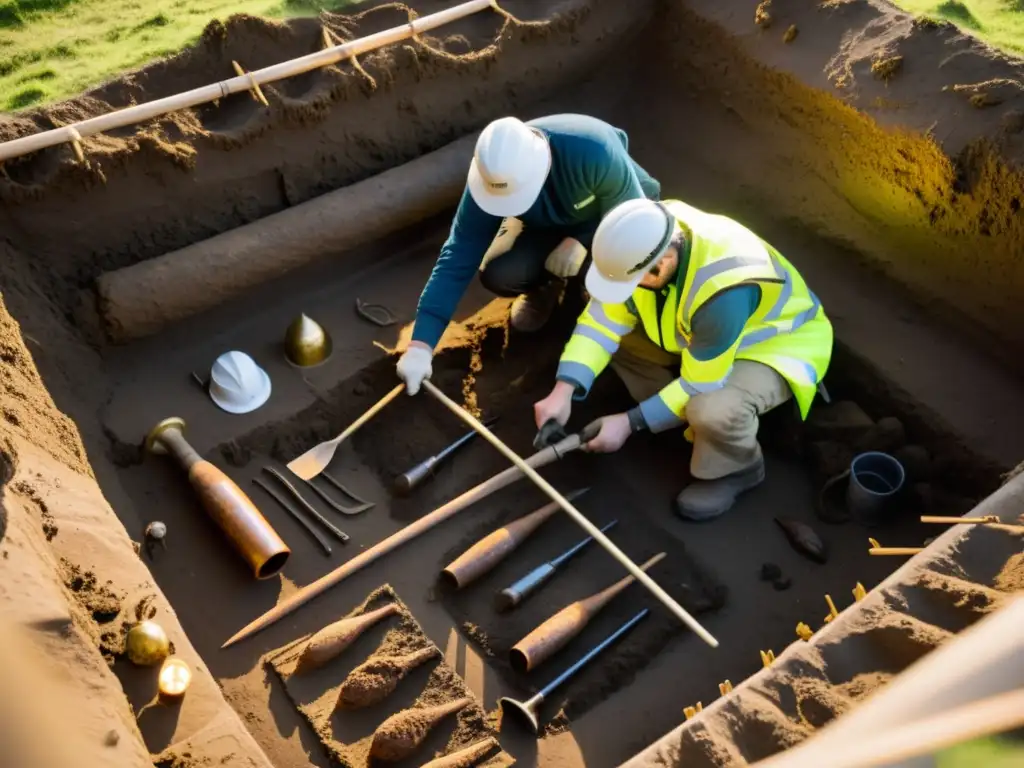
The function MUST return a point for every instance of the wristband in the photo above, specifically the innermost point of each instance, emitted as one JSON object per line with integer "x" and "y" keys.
{"x": 637, "y": 422}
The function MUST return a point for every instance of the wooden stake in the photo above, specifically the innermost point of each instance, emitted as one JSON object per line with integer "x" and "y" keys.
{"x": 804, "y": 632}
{"x": 767, "y": 657}
{"x": 832, "y": 610}
{"x": 984, "y": 520}
{"x": 207, "y": 93}
{"x": 690, "y": 712}
{"x": 725, "y": 688}
{"x": 677, "y": 610}
{"x": 895, "y": 550}
{"x": 859, "y": 593}
{"x": 257, "y": 92}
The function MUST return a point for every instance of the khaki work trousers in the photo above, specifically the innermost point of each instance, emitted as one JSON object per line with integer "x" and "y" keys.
{"x": 724, "y": 423}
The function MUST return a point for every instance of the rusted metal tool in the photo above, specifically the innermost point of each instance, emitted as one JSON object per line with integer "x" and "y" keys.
{"x": 233, "y": 512}
{"x": 512, "y": 596}
{"x": 555, "y": 633}
{"x": 497, "y": 545}
{"x": 315, "y": 460}
{"x": 298, "y": 516}
{"x": 337, "y": 506}
{"x": 397, "y": 539}
{"x": 677, "y": 610}
{"x": 408, "y": 481}
{"x": 527, "y": 712}
{"x": 338, "y": 533}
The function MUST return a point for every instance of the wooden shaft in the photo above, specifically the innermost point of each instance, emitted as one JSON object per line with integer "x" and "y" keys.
{"x": 397, "y": 539}
{"x": 370, "y": 413}
{"x": 575, "y": 514}
{"x": 207, "y": 93}
{"x": 556, "y": 632}
{"x": 895, "y": 550}
{"x": 959, "y": 520}
{"x": 986, "y": 717}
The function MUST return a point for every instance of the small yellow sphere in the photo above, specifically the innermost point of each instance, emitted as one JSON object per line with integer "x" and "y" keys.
{"x": 175, "y": 677}
{"x": 147, "y": 644}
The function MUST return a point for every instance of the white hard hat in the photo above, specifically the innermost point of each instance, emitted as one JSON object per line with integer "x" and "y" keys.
{"x": 628, "y": 242}
{"x": 510, "y": 165}
{"x": 237, "y": 384}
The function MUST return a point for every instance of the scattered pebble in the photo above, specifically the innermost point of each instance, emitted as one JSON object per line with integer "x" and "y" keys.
{"x": 782, "y": 584}
{"x": 790, "y": 34}
{"x": 112, "y": 738}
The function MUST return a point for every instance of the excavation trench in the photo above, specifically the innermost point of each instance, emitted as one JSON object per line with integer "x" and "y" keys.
{"x": 718, "y": 130}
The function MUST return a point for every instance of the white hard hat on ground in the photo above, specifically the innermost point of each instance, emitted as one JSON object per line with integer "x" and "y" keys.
{"x": 629, "y": 241}
{"x": 510, "y": 165}
{"x": 237, "y": 384}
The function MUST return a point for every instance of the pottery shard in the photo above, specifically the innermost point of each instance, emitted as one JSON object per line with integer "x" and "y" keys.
{"x": 886, "y": 436}
{"x": 843, "y": 422}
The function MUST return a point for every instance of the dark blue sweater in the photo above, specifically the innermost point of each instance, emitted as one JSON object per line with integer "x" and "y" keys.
{"x": 591, "y": 173}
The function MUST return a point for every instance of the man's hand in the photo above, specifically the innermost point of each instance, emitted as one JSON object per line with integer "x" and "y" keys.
{"x": 612, "y": 435}
{"x": 556, "y": 406}
{"x": 415, "y": 365}
{"x": 566, "y": 259}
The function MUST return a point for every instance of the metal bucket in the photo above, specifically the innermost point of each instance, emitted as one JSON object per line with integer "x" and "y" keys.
{"x": 875, "y": 478}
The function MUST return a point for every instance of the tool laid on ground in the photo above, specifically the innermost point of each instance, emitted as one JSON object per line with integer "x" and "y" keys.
{"x": 377, "y": 314}
{"x": 983, "y": 520}
{"x": 555, "y": 633}
{"x": 564, "y": 503}
{"x": 338, "y": 534}
{"x": 803, "y": 539}
{"x": 402, "y": 733}
{"x": 527, "y": 712}
{"x": 315, "y": 460}
{"x": 878, "y": 549}
{"x": 374, "y": 680}
{"x": 465, "y": 757}
{"x": 253, "y": 537}
{"x": 298, "y": 516}
{"x": 522, "y": 588}
{"x": 330, "y": 641}
{"x": 408, "y": 481}
{"x": 497, "y": 545}
{"x": 397, "y": 539}
{"x": 306, "y": 342}
{"x": 337, "y": 506}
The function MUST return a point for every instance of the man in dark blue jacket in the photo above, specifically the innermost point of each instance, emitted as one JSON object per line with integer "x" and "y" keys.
{"x": 535, "y": 193}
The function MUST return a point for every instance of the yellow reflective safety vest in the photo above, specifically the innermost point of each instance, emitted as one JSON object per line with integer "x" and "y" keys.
{"x": 788, "y": 331}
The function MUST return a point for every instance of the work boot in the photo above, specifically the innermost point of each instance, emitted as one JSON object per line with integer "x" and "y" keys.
{"x": 707, "y": 499}
{"x": 531, "y": 311}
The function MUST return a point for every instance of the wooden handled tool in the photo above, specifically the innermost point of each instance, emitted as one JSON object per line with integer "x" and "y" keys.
{"x": 575, "y": 514}
{"x": 250, "y": 533}
{"x": 397, "y": 539}
{"x": 315, "y": 460}
{"x": 984, "y": 520}
{"x": 555, "y": 633}
{"x": 497, "y": 545}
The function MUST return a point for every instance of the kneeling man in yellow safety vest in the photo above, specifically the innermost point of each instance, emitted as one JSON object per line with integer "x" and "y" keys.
{"x": 705, "y": 324}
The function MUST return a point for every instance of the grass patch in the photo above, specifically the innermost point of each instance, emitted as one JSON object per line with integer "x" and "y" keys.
{"x": 53, "y": 49}
{"x": 998, "y": 22}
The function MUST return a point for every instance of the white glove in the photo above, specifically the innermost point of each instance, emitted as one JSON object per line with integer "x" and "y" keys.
{"x": 566, "y": 259}
{"x": 414, "y": 366}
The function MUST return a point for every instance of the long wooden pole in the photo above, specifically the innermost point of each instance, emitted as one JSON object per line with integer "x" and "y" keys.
{"x": 247, "y": 82}
{"x": 397, "y": 539}
{"x": 575, "y": 514}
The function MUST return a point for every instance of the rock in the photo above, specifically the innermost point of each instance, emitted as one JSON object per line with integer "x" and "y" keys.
{"x": 916, "y": 462}
{"x": 770, "y": 572}
{"x": 782, "y": 583}
{"x": 843, "y": 422}
{"x": 886, "y": 436}
{"x": 829, "y": 458}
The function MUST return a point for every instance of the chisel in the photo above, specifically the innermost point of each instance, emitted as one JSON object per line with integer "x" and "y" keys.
{"x": 512, "y": 596}
{"x": 406, "y": 483}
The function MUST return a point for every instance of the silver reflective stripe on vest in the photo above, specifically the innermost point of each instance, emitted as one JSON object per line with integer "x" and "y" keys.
{"x": 709, "y": 271}
{"x": 763, "y": 334}
{"x": 700, "y": 388}
{"x": 588, "y": 332}
{"x": 681, "y": 341}
{"x": 598, "y": 314}
{"x": 784, "y": 295}
{"x": 658, "y": 415}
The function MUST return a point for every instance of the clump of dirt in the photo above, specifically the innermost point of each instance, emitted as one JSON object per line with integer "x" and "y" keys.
{"x": 762, "y": 14}
{"x": 98, "y": 599}
{"x": 1011, "y": 577}
{"x": 49, "y": 525}
{"x": 348, "y": 739}
{"x": 885, "y": 68}
{"x": 181, "y": 760}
